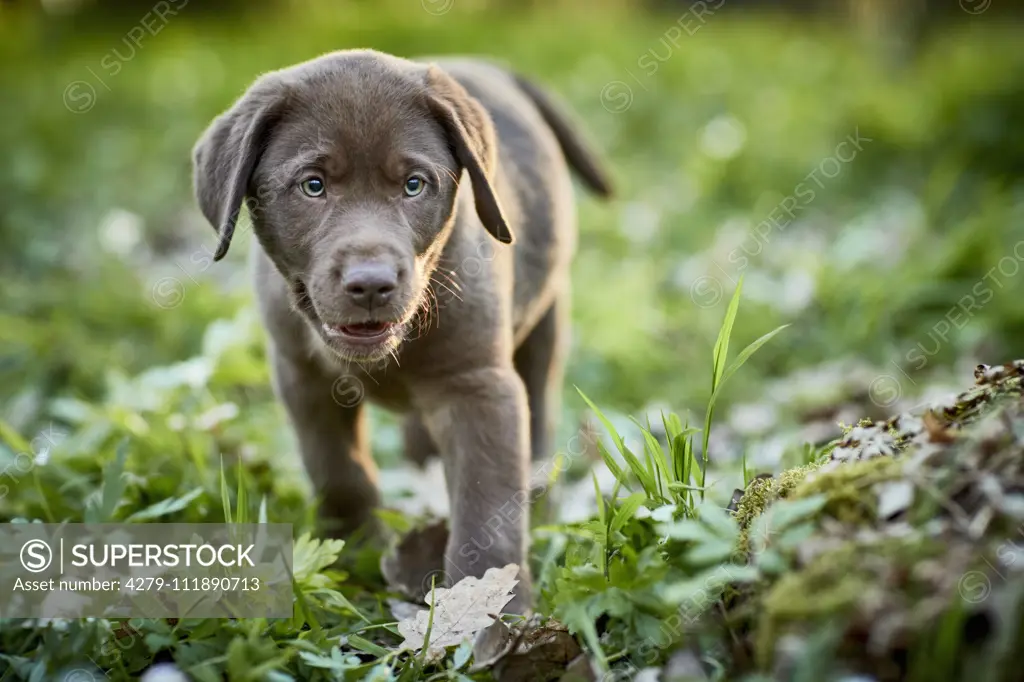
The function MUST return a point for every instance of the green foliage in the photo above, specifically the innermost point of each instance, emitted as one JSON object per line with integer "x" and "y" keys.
{"x": 667, "y": 477}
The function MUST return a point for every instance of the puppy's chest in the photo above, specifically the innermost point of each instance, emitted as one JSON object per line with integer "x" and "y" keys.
{"x": 387, "y": 391}
{"x": 380, "y": 384}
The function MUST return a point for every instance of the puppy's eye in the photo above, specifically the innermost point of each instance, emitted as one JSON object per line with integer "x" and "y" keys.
{"x": 414, "y": 185}
{"x": 312, "y": 187}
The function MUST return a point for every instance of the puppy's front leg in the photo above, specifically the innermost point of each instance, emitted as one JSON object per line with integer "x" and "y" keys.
{"x": 330, "y": 424}
{"x": 480, "y": 421}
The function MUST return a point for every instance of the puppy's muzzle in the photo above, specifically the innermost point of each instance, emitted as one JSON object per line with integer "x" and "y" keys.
{"x": 370, "y": 285}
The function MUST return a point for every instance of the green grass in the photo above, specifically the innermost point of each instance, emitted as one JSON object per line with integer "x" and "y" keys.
{"x": 133, "y": 384}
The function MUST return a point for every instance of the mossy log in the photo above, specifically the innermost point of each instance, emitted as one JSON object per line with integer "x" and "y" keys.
{"x": 915, "y": 567}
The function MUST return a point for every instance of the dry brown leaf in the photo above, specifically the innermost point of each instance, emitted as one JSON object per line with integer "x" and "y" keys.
{"x": 543, "y": 653}
{"x": 493, "y": 643}
{"x": 938, "y": 430}
{"x": 461, "y": 611}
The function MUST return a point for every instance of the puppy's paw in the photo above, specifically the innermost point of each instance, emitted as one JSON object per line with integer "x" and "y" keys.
{"x": 415, "y": 563}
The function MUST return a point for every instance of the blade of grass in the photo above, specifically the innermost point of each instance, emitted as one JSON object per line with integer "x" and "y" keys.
{"x": 672, "y": 429}
{"x": 688, "y": 464}
{"x": 721, "y": 350}
{"x": 613, "y": 466}
{"x": 363, "y": 644}
{"x": 241, "y": 502}
{"x": 225, "y": 498}
{"x": 747, "y": 352}
{"x": 631, "y": 459}
{"x": 604, "y": 525}
{"x": 678, "y": 453}
{"x": 743, "y": 356}
{"x": 721, "y": 373}
{"x": 113, "y": 488}
{"x": 719, "y": 356}
{"x": 430, "y": 625}
{"x": 604, "y": 420}
{"x": 17, "y": 444}
{"x": 657, "y": 467}
{"x": 625, "y": 512}
{"x": 656, "y": 455}
{"x": 261, "y": 531}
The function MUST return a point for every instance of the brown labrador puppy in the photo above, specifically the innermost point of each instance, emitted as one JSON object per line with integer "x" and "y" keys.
{"x": 384, "y": 195}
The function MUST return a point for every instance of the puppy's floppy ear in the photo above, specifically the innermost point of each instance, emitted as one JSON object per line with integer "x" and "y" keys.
{"x": 225, "y": 156}
{"x": 471, "y": 134}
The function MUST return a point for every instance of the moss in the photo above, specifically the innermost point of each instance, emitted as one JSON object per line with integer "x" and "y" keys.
{"x": 761, "y": 492}
{"x": 845, "y": 487}
{"x": 889, "y": 585}
{"x": 856, "y": 583}
{"x": 824, "y": 589}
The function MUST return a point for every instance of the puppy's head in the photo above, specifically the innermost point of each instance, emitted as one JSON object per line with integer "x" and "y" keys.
{"x": 349, "y": 167}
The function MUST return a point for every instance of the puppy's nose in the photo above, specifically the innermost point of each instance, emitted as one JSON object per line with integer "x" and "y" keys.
{"x": 370, "y": 285}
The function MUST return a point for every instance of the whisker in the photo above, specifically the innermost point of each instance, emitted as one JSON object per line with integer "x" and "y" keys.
{"x": 451, "y": 291}
{"x": 423, "y": 313}
{"x": 450, "y": 173}
{"x": 452, "y": 278}
{"x": 437, "y": 309}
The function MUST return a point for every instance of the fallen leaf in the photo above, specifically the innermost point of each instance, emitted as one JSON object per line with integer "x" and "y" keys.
{"x": 460, "y": 612}
{"x": 938, "y": 431}
{"x": 580, "y": 670}
{"x": 542, "y": 652}
{"x": 491, "y": 644}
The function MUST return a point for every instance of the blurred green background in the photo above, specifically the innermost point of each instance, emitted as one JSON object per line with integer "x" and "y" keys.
{"x": 713, "y": 116}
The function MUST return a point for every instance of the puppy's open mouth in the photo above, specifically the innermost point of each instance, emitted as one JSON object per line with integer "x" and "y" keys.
{"x": 365, "y": 332}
